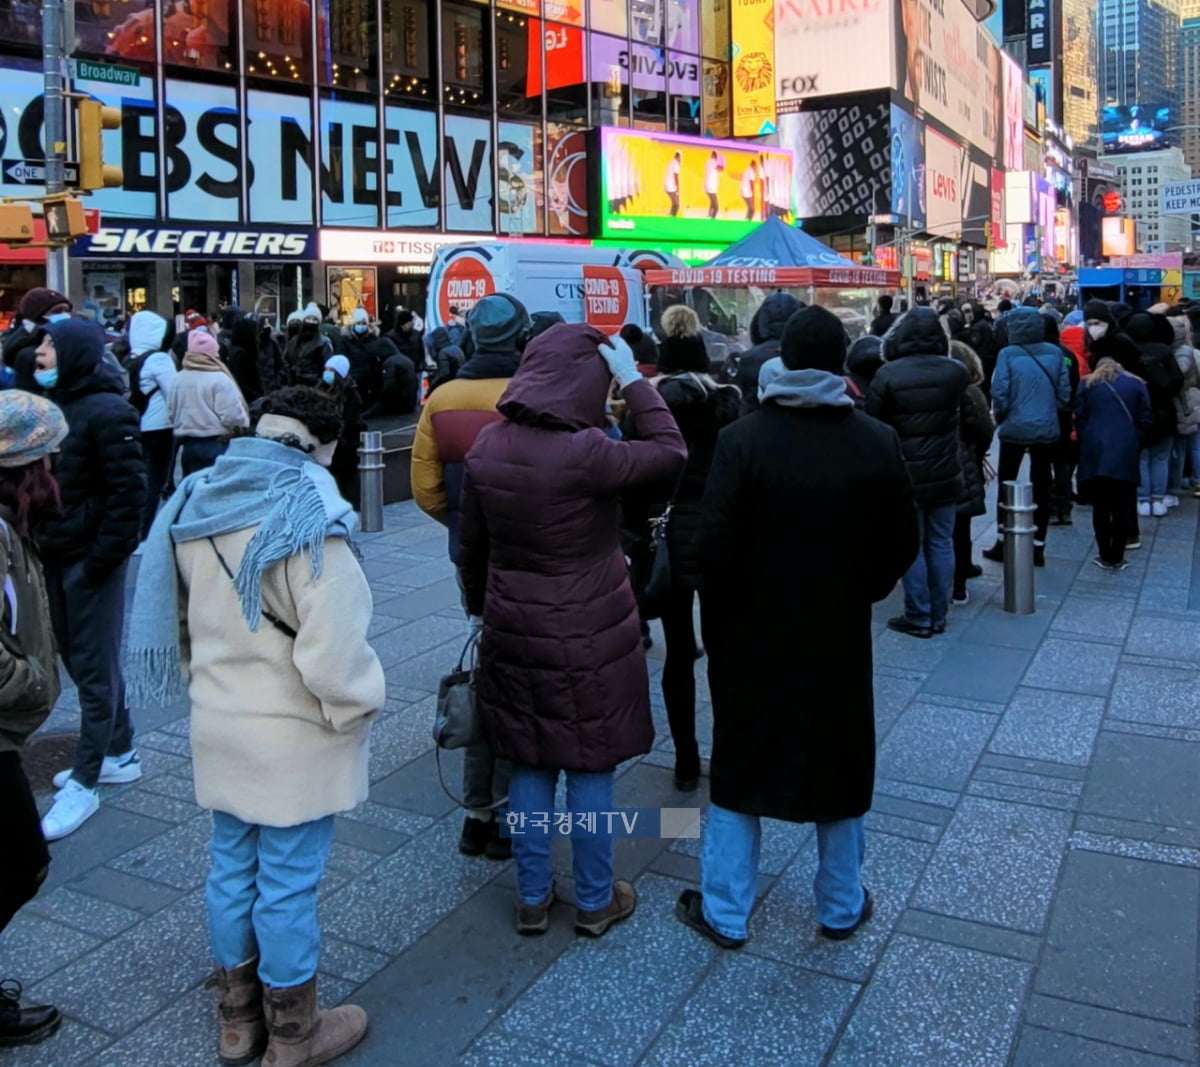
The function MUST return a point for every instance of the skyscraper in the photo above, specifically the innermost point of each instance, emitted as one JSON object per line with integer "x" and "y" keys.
{"x": 1189, "y": 89}
{"x": 1138, "y": 53}
{"x": 1080, "y": 92}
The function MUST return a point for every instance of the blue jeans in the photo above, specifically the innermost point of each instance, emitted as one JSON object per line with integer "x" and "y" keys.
{"x": 1179, "y": 450}
{"x": 532, "y": 789}
{"x": 1155, "y": 463}
{"x": 262, "y": 896}
{"x": 927, "y": 581}
{"x": 200, "y": 453}
{"x": 1193, "y": 447}
{"x": 729, "y": 871}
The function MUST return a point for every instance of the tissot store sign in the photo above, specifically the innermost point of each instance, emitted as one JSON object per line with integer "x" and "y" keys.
{"x": 197, "y": 242}
{"x": 295, "y": 175}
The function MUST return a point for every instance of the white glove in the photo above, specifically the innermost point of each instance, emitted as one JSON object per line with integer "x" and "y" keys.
{"x": 619, "y": 357}
{"x": 474, "y": 625}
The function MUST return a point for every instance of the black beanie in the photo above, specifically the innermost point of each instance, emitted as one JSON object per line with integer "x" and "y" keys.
{"x": 1098, "y": 309}
{"x": 677, "y": 355}
{"x": 814, "y": 338}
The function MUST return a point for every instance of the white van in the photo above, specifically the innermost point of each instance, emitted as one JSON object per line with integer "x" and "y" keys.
{"x": 602, "y": 286}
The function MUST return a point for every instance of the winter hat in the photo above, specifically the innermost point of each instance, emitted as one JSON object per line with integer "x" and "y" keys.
{"x": 203, "y": 343}
{"x": 31, "y": 427}
{"x": 541, "y": 321}
{"x": 1098, "y": 309}
{"x": 36, "y": 303}
{"x": 340, "y": 365}
{"x": 193, "y": 319}
{"x": 403, "y": 318}
{"x": 645, "y": 351}
{"x": 682, "y": 348}
{"x": 360, "y": 317}
{"x": 311, "y": 313}
{"x": 1051, "y": 312}
{"x": 496, "y": 322}
{"x": 814, "y": 339}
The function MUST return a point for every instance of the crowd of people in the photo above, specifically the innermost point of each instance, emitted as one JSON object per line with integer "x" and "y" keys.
{"x": 588, "y": 484}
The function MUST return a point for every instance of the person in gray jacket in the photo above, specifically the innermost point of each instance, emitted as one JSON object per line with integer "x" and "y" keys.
{"x": 1030, "y": 387}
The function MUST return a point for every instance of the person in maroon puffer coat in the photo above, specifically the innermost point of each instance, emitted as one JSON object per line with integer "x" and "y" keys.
{"x": 562, "y": 683}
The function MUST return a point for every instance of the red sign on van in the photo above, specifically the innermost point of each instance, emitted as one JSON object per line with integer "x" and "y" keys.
{"x": 465, "y": 283}
{"x": 605, "y": 298}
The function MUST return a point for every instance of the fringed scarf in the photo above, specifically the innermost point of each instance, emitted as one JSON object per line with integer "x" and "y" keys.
{"x": 257, "y": 482}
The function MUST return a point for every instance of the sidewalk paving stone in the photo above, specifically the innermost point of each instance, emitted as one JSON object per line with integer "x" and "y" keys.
{"x": 1144, "y": 779}
{"x": 1072, "y": 667}
{"x": 1043, "y": 724}
{"x": 1157, "y": 695}
{"x": 935, "y": 746}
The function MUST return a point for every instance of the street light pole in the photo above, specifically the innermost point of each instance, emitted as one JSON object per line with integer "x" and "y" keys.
{"x": 53, "y": 69}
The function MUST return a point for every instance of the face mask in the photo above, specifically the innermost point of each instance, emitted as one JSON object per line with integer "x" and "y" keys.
{"x": 29, "y": 326}
{"x": 1098, "y": 331}
{"x": 361, "y": 328}
{"x": 47, "y": 379}
{"x": 59, "y": 317}
{"x": 328, "y": 377}
{"x": 308, "y": 327}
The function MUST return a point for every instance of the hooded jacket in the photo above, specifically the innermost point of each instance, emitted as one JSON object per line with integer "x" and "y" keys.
{"x": 19, "y": 350}
{"x": 982, "y": 338}
{"x": 562, "y": 680}
{"x": 101, "y": 474}
{"x": 367, "y": 354}
{"x": 306, "y": 353}
{"x": 1031, "y": 383}
{"x": 245, "y": 364}
{"x": 1187, "y": 404}
{"x": 766, "y": 330}
{"x": 1113, "y": 419}
{"x": 862, "y": 364}
{"x": 448, "y": 357}
{"x": 147, "y": 337}
{"x": 1154, "y": 337}
{"x": 921, "y": 393}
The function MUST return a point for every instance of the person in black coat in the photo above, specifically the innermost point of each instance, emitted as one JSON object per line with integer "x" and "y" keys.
{"x": 975, "y": 438}
{"x": 19, "y": 347}
{"x": 923, "y": 394}
{"x": 1154, "y": 336}
{"x": 702, "y": 408}
{"x": 367, "y": 352}
{"x": 766, "y": 329}
{"x": 307, "y": 350}
{"x": 244, "y": 357}
{"x": 789, "y": 634}
{"x": 862, "y": 364}
{"x": 272, "y": 371}
{"x": 338, "y": 382}
{"x": 886, "y": 318}
{"x": 981, "y": 339}
{"x": 448, "y": 357}
{"x": 85, "y": 549}
{"x": 407, "y": 339}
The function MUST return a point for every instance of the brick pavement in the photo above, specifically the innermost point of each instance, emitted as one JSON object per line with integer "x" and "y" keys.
{"x": 1034, "y": 854}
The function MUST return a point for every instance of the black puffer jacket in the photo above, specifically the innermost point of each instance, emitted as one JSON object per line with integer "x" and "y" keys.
{"x": 1154, "y": 335}
{"x": 101, "y": 473}
{"x": 982, "y": 339}
{"x": 862, "y": 364}
{"x": 306, "y": 355}
{"x": 766, "y": 328}
{"x": 243, "y": 357}
{"x": 20, "y": 356}
{"x": 702, "y": 408}
{"x": 367, "y": 354}
{"x": 920, "y": 392}
{"x": 976, "y": 431}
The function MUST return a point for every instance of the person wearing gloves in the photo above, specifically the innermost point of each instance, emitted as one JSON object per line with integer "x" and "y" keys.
{"x": 31, "y": 430}
{"x": 337, "y": 381}
{"x": 19, "y": 347}
{"x": 205, "y": 404}
{"x": 561, "y": 683}
{"x": 152, "y": 367}
{"x": 250, "y": 589}
{"x": 306, "y": 352}
{"x": 85, "y": 548}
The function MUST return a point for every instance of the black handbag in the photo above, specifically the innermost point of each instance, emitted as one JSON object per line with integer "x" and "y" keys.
{"x": 657, "y": 591}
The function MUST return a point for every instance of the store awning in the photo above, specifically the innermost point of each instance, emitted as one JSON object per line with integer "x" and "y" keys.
{"x": 851, "y": 277}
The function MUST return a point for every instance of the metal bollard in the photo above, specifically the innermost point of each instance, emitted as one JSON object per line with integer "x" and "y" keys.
{"x": 370, "y": 481}
{"x": 1018, "y": 547}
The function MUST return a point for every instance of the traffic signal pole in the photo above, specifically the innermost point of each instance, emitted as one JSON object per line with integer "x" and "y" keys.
{"x": 55, "y": 128}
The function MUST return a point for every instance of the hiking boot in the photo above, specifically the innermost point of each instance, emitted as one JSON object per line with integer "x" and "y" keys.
{"x": 24, "y": 1026}
{"x": 834, "y": 933}
{"x": 995, "y": 553}
{"x": 73, "y": 806}
{"x": 533, "y": 919}
{"x": 115, "y": 770}
{"x": 901, "y": 625}
{"x": 689, "y": 910}
{"x": 302, "y": 1036}
{"x": 243, "y": 1026}
{"x": 597, "y": 923}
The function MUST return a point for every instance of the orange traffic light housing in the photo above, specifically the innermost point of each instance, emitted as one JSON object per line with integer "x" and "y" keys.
{"x": 92, "y": 119}
{"x": 16, "y": 224}
{"x": 65, "y": 219}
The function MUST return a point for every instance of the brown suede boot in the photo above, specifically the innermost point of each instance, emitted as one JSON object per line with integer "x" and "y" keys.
{"x": 597, "y": 923}
{"x": 302, "y": 1036}
{"x": 243, "y": 1028}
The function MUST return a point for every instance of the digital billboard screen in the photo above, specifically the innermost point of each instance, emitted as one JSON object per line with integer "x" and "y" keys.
{"x": 842, "y": 159}
{"x": 667, "y": 188}
{"x": 1136, "y": 128}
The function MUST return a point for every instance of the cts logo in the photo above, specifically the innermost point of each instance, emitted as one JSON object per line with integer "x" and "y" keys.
{"x": 804, "y": 85}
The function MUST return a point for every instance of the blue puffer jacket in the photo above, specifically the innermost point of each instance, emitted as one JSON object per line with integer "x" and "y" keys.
{"x": 1030, "y": 384}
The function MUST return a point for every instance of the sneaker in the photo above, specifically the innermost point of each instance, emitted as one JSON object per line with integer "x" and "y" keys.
{"x": 1098, "y": 562}
{"x": 834, "y": 933}
{"x": 1119, "y": 566}
{"x": 597, "y": 923}
{"x": 689, "y": 910}
{"x": 475, "y": 835}
{"x": 1144, "y": 508}
{"x": 960, "y": 598}
{"x": 73, "y": 806}
{"x": 1171, "y": 500}
{"x": 1158, "y": 509}
{"x": 115, "y": 770}
{"x": 901, "y": 625}
{"x": 974, "y": 571}
{"x": 1134, "y": 542}
{"x": 995, "y": 553}
{"x": 24, "y": 1026}
{"x": 1196, "y": 490}
{"x": 534, "y": 919}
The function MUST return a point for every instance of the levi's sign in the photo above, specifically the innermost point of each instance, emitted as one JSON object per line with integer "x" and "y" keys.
{"x": 225, "y": 242}
{"x": 1179, "y": 198}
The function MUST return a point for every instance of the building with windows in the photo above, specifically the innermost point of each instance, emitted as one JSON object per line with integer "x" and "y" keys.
{"x": 1189, "y": 90}
{"x": 1140, "y": 174}
{"x": 1138, "y": 53}
{"x": 1080, "y": 91}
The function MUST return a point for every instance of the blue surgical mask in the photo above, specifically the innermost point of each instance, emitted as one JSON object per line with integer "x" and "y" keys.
{"x": 59, "y": 317}
{"x": 47, "y": 379}
{"x": 361, "y": 328}
{"x": 328, "y": 377}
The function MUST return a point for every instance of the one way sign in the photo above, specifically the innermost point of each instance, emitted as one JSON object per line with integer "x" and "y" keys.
{"x": 33, "y": 172}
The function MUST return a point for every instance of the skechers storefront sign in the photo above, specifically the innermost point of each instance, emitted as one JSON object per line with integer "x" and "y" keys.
{"x": 226, "y": 242}
{"x": 340, "y": 171}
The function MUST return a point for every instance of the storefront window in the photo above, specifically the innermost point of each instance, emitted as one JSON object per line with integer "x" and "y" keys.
{"x": 407, "y": 49}
{"x": 465, "y": 57}
{"x": 608, "y": 16}
{"x": 683, "y": 25}
{"x": 609, "y": 81}
{"x": 566, "y": 76}
{"x": 347, "y": 48}
{"x": 518, "y": 63}
{"x": 21, "y": 23}
{"x": 646, "y": 21}
{"x": 279, "y": 39}
{"x": 201, "y": 34}
{"x": 116, "y": 30}
{"x": 279, "y": 290}
{"x": 519, "y": 165}
{"x": 683, "y": 82}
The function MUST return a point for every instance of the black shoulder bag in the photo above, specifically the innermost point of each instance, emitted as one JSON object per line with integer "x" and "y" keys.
{"x": 274, "y": 620}
{"x": 657, "y": 591}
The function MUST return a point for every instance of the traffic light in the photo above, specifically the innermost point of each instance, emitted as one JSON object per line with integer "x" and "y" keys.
{"x": 64, "y": 219}
{"x": 93, "y": 118}
{"x": 16, "y": 224}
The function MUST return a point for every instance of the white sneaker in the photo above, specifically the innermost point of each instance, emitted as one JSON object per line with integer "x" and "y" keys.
{"x": 115, "y": 770}
{"x": 73, "y": 806}
{"x": 1158, "y": 509}
{"x": 1171, "y": 501}
{"x": 1144, "y": 509}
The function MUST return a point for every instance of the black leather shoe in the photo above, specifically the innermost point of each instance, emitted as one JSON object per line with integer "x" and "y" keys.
{"x": 497, "y": 847}
{"x": 974, "y": 571}
{"x": 834, "y": 933}
{"x": 995, "y": 553}
{"x": 475, "y": 836}
{"x": 689, "y": 910}
{"x": 901, "y": 625}
{"x": 24, "y": 1026}
{"x": 1039, "y": 555}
